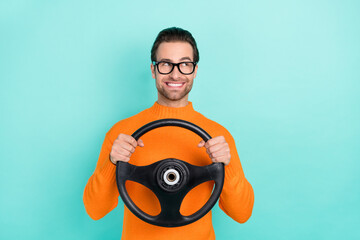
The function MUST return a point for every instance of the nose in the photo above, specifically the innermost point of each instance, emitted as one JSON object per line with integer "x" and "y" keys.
{"x": 175, "y": 74}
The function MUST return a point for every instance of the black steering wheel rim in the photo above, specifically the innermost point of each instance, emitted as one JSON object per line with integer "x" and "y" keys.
{"x": 170, "y": 199}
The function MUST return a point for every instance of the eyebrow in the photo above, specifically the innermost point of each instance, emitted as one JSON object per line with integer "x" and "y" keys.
{"x": 185, "y": 58}
{"x": 169, "y": 60}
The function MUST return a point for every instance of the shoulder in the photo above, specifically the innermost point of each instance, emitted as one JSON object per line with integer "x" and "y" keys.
{"x": 127, "y": 125}
{"x": 212, "y": 127}
{"x": 215, "y": 129}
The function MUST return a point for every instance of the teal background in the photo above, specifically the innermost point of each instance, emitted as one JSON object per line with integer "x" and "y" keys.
{"x": 282, "y": 76}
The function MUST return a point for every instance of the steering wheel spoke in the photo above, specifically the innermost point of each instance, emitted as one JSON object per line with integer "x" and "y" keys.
{"x": 170, "y": 205}
{"x": 140, "y": 174}
{"x": 199, "y": 174}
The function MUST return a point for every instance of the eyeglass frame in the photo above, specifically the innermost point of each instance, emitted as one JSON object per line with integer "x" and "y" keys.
{"x": 156, "y": 64}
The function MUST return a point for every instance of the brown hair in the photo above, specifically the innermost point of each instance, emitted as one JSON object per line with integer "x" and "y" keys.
{"x": 174, "y": 34}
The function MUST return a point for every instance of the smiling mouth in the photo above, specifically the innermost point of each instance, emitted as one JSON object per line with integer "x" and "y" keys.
{"x": 175, "y": 84}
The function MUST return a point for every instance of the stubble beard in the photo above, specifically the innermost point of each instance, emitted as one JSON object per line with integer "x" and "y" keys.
{"x": 174, "y": 97}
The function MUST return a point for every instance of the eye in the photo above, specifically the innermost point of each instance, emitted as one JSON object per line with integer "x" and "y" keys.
{"x": 165, "y": 64}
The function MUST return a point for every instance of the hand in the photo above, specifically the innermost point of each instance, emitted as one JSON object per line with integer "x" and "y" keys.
{"x": 123, "y": 146}
{"x": 218, "y": 149}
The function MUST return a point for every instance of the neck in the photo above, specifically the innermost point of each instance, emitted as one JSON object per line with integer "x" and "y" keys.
{"x": 169, "y": 103}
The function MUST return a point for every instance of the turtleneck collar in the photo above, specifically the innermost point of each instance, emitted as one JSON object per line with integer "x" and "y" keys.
{"x": 172, "y": 112}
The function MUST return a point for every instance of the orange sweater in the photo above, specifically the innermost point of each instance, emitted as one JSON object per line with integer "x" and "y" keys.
{"x": 101, "y": 193}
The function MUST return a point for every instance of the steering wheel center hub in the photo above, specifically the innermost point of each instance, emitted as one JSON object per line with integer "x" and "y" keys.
{"x": 172, "y": 175}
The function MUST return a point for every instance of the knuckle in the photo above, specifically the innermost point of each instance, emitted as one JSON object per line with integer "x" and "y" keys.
{"x": 114, "y": 158}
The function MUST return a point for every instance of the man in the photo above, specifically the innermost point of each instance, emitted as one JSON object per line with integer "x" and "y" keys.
{"x": 174, "y": 66}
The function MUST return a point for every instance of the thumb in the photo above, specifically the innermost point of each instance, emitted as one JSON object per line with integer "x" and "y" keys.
{"x": 140, "y": 143}
{"x": 201, "y": 143}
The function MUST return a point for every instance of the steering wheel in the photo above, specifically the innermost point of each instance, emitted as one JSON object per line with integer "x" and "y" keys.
{"x": 170, "y": 180}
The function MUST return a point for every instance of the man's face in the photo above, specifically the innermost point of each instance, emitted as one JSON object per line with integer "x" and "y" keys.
{"x": 174, "y": 86}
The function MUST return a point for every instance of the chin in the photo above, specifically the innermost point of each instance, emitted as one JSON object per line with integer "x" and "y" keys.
{"x": 174, "y": 98}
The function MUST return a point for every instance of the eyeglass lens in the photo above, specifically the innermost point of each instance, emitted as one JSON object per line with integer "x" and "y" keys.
{"x": 184, "y": 67}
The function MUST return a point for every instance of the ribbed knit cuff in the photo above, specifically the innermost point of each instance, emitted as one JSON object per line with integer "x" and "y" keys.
{"x": 108, "y": 170}
{"x": 231, "y": 179}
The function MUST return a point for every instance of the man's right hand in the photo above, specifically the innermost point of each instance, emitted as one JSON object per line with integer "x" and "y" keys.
{"x": 123, "y": 146}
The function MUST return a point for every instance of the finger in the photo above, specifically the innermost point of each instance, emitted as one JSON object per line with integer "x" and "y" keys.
{"x": 121, "y": 151}
{"x": 111, "y": 160}
{"x": 220, "y": 153}
{"x": 223, "y": 159}
{"x": 127, "y": 147}
{"x": 129, "y": 139}
{"x": 201, "y": 143}
{"x": 219, "y": 147}
{"x": 215, "y": 140}
{"x": 140, "y": 143}
{"x": 117, "y": 157}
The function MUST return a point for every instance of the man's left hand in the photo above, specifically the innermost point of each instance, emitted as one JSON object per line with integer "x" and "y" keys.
{"x": 218, "y": 149}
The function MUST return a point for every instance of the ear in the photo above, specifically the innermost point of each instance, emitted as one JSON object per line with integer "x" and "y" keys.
{"x": 195, "y": 71}
{"x": 152, "y": 70}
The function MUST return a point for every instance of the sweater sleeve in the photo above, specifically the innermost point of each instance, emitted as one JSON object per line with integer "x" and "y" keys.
{"x": 101, "y": 194}
{"x": 237, "y": 197}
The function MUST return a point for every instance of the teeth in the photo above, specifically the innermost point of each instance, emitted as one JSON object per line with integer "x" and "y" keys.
{"x": 175, "y": 84}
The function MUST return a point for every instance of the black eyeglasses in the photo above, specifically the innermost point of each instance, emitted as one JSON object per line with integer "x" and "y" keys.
{"x": 185, "y": 68}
